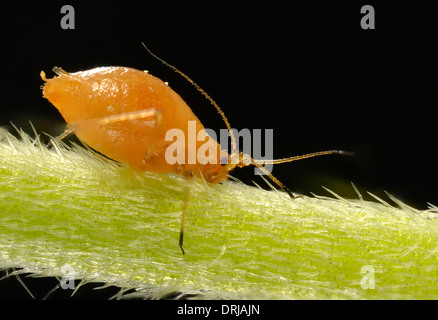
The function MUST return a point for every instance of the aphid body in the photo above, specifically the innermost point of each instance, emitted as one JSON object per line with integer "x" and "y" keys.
{"x": 125, "y": 113}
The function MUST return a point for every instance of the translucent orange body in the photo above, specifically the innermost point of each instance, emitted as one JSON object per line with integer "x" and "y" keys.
{"x": 87, "y": 98}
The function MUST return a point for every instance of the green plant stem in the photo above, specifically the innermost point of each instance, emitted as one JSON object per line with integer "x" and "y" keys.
{"x": 70, "y": 206}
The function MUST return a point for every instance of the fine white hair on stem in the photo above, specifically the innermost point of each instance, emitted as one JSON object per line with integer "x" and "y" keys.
{"x": 70, "y": 206}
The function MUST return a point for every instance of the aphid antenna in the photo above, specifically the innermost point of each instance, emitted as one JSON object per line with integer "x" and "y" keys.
{"x": 205, "y": 94}
{"x": 304, "y": 156}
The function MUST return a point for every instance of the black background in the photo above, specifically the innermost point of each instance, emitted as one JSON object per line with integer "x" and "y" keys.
{"x": 306, "y": 70}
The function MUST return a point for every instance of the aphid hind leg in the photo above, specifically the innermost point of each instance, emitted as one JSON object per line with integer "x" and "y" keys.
{"x": 60, "y": 137}
{"x": 65, "y": 133}
{"x": 152, "y": 115}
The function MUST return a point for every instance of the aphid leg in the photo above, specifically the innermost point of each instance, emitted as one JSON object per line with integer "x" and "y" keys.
{"x": 65, "y": 133}
{"x": 189, "y": 176}
{"x": 151, "y": 116}
{"x": 60, "y": 137}
{"x": 150, "y": 152}
{"x": 277, "y": 182}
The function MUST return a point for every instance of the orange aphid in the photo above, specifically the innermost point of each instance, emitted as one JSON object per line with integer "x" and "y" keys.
{"x": 125, "y": 114}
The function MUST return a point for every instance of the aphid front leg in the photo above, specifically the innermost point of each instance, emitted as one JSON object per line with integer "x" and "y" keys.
{"x": 275, "y": 180}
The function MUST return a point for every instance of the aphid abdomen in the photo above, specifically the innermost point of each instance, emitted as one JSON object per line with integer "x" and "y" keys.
{"x": 125, "y": 114}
